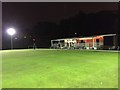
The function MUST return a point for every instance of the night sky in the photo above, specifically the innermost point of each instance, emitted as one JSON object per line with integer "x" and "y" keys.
{"x": 24, "y": 16}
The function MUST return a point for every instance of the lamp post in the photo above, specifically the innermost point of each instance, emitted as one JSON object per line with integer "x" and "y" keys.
{"x": 11, "y": 32}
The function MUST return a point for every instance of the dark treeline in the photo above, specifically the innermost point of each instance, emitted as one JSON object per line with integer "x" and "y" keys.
{"x": 82, "y": 24}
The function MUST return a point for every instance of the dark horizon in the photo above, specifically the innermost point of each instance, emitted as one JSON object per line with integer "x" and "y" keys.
{"x": 45, "y": 21}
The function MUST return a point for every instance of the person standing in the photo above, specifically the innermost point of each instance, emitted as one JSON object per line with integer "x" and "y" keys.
{"x": 34, "y": 46}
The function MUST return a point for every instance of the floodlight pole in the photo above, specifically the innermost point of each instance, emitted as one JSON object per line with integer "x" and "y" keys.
{"x": 11, "y": 32}
{"x": 11, "y": 43}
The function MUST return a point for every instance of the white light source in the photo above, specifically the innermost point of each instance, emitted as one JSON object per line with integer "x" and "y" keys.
{"x": 11, "y": 31}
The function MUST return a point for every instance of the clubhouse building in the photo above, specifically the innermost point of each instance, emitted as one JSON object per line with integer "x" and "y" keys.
{"x": 107, "y": 41}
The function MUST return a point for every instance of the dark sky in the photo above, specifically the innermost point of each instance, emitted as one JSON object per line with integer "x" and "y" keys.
{"x": 22, "y": 16}
{"x": 25, "y": 15}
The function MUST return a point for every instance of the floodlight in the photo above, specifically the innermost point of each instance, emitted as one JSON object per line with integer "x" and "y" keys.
{"x": 11, "y": 31}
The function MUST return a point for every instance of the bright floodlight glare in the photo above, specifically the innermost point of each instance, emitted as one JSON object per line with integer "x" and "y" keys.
{"x": 11, "y": 31}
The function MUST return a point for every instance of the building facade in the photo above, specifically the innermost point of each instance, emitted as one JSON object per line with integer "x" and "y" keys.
{"x": 107, "y": 41}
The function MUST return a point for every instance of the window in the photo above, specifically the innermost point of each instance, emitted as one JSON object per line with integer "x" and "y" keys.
{"x": 97, "y": 40}
{"x": 82, "y": 41}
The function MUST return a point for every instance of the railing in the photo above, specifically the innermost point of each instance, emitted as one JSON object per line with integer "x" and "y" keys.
{"x": 98, "y": 46}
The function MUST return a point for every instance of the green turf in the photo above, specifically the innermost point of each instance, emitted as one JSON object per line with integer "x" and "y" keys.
{"x": 59, "y": 69}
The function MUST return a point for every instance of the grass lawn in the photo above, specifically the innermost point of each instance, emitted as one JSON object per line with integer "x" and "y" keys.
{"x": 59, "y": 69}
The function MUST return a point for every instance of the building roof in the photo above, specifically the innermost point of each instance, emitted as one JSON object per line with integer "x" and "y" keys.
{"x": 90, "y": 37}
